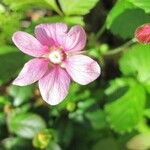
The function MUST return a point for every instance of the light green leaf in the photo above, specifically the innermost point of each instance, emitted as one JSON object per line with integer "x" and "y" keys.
{"x": 97, "y": 119}
{"x": 53, "y": 146}
{"x": 127, "y": 109}
{"x": 77, "y": 7}
{"x": 124, "y": 19}
{"x": 66, "y": 19}
{"x": 139, "y": 142}
{"x": 16, "y": 143}
{"x": 23, "y": 4}
{"x": 53, "y": 5}
{"x": 143, "y": 4}
{"x": 20, "y": 94}
{"x": 43, "y": 138}
{"x": 25, "y": 125}
{"x": 136, "y": 62}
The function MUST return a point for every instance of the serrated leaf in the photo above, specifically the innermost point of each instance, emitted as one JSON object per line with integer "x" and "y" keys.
{"x": 25, "y": 125}
{"x": 124, "y": 19}
{"x": 127, "y": 110}
{"x": 143, "y": 4}
{"x": 76, "y": 7}
{"x": 136, "y": 62}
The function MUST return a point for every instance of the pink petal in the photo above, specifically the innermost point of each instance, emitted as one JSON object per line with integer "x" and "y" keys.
{"x": 29, "y": 44}
{"x": 142, "y": 34}
{"x": 54, "y": 85}
{"x": 75, "y": 39}
{"x": 32, "y": 71}
{"x": 82, "y": 69}
{"x": 51, "y": 34}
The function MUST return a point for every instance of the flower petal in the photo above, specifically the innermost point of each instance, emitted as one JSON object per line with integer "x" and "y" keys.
{"x": 54, "y": 85}
{"x": 82, "y": 69}
{"x": 75, "y": 39}
{"x": 51, "y": 34}
{"x": 32, "y": 71}
{"x": 29, "y": 44}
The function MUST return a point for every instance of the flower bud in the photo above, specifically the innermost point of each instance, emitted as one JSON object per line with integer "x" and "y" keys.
{"x": 142, "y": 34}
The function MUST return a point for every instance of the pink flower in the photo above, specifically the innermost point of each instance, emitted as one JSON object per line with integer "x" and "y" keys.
{"x": 142, "y": 34}
{"x": 58, "y": 59}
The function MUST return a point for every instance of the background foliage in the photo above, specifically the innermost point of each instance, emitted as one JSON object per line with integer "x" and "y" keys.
{"x": 111, "y": 113}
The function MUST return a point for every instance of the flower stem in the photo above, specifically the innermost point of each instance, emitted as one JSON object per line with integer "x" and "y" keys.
{"x": 120, "y": 48}
{"x": 101, "y": 31}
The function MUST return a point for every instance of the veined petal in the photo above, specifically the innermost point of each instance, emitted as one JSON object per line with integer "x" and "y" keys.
{"x": 29, "y": 44}
{"x": 82, "y": 69}
{"x": 54, "y": 85}
{"x": 51, "y": 34}
{"x": 32, "y": 71}
{"x": 75, "y": 39}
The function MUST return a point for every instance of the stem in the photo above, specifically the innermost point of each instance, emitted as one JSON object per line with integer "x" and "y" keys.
{"x": 101, "y": 31}
{"x": 120, "y": 48}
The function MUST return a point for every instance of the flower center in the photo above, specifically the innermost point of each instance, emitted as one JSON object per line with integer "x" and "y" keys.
{"x": 56, "y": 56}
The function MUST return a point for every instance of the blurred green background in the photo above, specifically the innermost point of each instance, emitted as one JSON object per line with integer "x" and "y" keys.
{"x": 112, "y": 113}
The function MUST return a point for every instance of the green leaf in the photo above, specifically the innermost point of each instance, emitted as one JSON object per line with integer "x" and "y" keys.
{"x": 11, "y": 61}
{"x": 22, "y": 5}
{"x": 106, "y": 143}
{"x": 76, "y": 7}
{"x": 16, "y": 143}
{"x": 20, "y": 94}
{"x": 127, "y": 110}
{"x": 97, "y": 119}
{"x": 54, "y": 146}
{"x": 124, "y": 19}
{"x": 66, "y": 19}
{"x": 53, "y": 5}
{"x": 136, "y": 62}
{"x": 25, "y": 125}
{"x": 9, "y": 24}
{"x": 143, "y": 4}
{"x": 117, "y": 10}
{"x": 140, "y": 142}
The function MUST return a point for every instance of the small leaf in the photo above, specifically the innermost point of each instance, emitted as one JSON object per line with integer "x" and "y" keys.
{"x": 54, "y": 146}
{"x": 16, "y": 143}
{"x": 25, "y": 125}
{"x": 127, "y": 110}
{"x": 139, "y": 142}
{"x": 20, "y": 94}
{"x": 43, "y": 138}
{"x": 97, "y": 119}
{"x": 76, "y": 7}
